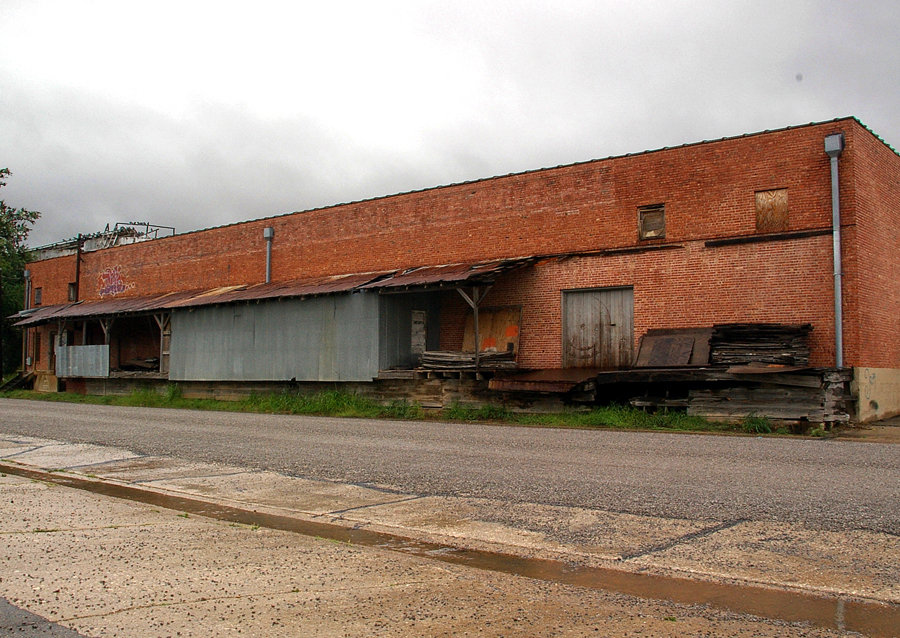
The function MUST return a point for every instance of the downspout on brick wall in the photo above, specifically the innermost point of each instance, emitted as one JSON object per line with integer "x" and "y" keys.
{"x": 834, "y": 145}
{"x": 78, "y": 249}
{"x": 27, "y": 305}
{"x": 269, "y": 234}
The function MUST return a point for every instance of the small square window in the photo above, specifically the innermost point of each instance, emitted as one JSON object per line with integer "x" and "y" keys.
{"x": 73, "y": 292}
{"x": 772, "y": 211}
{"x": 652, "y": 221}
{"x": 38, "y": 295}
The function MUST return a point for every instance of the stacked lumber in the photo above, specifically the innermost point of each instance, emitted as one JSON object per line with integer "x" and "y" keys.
{"x": 447, "y": 360}
{"x": 811, "y": 395}
{"x": 735, "y": 343}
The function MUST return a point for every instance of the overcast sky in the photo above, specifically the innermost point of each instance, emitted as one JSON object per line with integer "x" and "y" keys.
{"x": 195, "y": 114}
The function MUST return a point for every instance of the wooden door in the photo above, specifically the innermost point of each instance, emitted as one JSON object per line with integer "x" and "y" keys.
{"x": 598, "y": 328}
{"x": 419, "y": 333}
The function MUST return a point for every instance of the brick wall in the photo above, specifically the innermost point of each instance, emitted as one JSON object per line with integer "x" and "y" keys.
{"x": 786, "y": 281}
{"x": 876, "y": 252}
{"x": 708, "y": 190}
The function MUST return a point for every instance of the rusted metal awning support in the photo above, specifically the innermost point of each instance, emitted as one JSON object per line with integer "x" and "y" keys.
{"x": 477, "y": 296}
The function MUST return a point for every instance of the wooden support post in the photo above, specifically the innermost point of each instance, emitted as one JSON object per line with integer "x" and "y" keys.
{"x": 106, "y": 324}
{"x": 164, "y": 321}
{"x": 478, "y": 295}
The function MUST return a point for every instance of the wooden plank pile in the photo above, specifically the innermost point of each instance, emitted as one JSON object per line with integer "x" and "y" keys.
{"x": 811, "y": 395}
{"x": 447, "y": 360}
{"x": 737, "y": 343}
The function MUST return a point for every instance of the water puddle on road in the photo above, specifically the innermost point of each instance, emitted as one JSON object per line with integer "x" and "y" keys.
{"x": 845, "y": 614}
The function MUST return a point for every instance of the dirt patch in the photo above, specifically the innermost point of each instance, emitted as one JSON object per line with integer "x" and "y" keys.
{"x": 880, "y": 432}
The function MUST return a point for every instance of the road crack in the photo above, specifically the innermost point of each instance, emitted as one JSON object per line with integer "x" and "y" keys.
{"x": 661, "y": 547}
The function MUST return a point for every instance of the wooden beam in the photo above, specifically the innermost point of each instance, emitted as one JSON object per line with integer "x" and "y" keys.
{"x": 106, "y": 324}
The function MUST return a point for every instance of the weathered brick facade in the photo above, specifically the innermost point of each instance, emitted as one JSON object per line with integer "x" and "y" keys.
{"x": 584, "y": 217}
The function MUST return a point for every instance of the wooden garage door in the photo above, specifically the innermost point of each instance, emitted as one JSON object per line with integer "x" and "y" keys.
{"x": 598, "y": 328}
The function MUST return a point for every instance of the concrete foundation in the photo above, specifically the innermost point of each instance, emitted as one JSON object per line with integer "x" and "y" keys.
{"x": 878, "y": 393}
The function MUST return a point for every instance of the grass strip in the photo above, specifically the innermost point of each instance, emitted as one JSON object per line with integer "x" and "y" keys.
{"x": 337, "y": 403}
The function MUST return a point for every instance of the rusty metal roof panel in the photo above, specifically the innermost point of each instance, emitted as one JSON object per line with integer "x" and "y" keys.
{"x": 449, "y": 274}
{"x": 485, "y": 272}
{"x": 117, "y": 306}
{"x": 274, "y": 290}
{"x": 195, "y": 298}
{"x": 34, "y": 316}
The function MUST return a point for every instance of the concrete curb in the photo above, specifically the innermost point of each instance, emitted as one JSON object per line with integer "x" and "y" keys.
{"x": 825, "y": 607}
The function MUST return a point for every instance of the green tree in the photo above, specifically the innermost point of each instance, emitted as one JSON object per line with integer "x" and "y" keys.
{"x": 15, "y": 224}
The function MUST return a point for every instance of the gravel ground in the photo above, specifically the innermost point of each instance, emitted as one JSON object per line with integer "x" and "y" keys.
{"x": 824, "y": 484}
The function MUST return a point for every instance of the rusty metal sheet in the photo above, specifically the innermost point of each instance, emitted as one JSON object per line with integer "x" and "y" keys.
{"x": 427, "y": 275}
{"x": 449, "y": 274}
{"x": 280, "y": 289}
{"x": 103, "y": 307}
{"x": 699, "y": 356}
{"x": 664, "y": 350}
{"x": 196, "y": 298}
{"x": 34, "y": 316}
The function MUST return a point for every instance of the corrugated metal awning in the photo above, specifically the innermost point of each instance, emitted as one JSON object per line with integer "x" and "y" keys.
{"x": 194, "y": 298}
{"x": 449, "y": 274}
{"x": 283, "y": 289}
{"x": 427, "y": 276}
{"x": 100, "y": 308}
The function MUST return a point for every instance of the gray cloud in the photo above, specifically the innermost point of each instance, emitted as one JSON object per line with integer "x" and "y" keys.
{"x": 435, "y": 93}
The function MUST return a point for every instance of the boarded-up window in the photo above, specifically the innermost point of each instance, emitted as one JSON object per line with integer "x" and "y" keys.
{"x": 38, "y": 296}
{"x": 73, "y": 295}
{"x": 652, "y": 221}
{"x": 772, "y": 211}
{"x": 498, "y": 330}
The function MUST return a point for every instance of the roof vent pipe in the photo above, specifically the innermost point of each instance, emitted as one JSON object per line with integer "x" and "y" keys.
{"x": 834, "y": 146}
{"x": 269, "y": 234}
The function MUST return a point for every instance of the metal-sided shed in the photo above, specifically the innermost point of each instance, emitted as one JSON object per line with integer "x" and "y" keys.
{"x": 343, "y": 328}
{"x": 327, "y": 338}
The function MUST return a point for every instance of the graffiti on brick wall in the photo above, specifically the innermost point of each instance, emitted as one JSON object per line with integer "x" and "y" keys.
{"x": 112, "y": 282}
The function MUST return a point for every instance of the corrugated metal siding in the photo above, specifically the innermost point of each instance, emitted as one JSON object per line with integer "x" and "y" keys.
{"x": 333, "y": 338}
{"x": 82, "y": 361}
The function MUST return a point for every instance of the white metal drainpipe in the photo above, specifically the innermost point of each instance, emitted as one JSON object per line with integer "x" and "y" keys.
{"x": 25, "y": 331}
{"x": 834, "y": 145}
{"x": 268, "y": 233}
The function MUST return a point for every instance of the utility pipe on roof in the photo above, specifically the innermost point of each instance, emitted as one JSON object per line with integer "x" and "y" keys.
{"x": 269, "y": 234}
{"x": 834, "y": 145}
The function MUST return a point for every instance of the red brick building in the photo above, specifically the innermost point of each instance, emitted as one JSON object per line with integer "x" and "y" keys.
{"x": 731, "y": 230}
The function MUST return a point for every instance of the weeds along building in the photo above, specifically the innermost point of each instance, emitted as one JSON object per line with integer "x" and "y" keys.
{"x": 555, "y": 273}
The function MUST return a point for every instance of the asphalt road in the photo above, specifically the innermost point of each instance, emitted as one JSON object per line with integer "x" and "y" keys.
{"x": 827, "y": 484}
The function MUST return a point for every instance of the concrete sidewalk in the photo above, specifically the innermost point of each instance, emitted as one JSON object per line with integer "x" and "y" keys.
{"x": 848, "y": 567}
